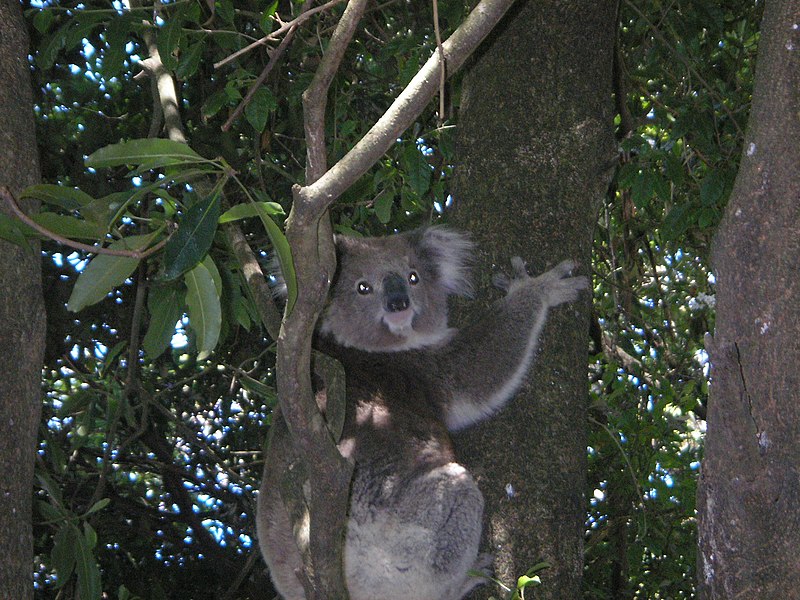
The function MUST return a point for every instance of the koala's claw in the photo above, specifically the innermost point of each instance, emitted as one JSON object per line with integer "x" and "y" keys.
{"x": 518, "y": 265}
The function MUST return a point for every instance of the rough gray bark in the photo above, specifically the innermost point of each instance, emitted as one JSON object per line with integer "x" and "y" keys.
{"x": 534, "y": 155}
{"x": 750, "y": 480}
{"x": 22, "y": 319}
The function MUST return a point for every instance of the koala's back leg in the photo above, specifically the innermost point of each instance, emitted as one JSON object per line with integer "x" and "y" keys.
{"x": 420, "y": 547}
{"x": 277, "y": 543}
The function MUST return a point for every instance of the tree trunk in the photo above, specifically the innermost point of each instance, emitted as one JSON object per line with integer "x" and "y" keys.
{"x": 22, "y": 321}
{"x": 534, "y": 155}
{"x": 750, "y": 480}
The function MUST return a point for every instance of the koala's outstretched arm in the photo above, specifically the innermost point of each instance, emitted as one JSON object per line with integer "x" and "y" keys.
{"x": 484, "y": 364}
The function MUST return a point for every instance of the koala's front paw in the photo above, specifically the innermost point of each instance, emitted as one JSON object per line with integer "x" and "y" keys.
{"x": 556, "y": 285}
{"x": 559, "y": 285}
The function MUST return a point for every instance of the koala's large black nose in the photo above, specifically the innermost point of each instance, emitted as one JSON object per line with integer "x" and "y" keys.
{"x": 395, "y": 293}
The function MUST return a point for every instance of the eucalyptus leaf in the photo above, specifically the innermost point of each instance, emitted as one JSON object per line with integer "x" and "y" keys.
{"x": 191, "y": 242}
{"x": 169, "y": 38}
{"x": 89, "y": 584}
{"x": 249, "y": 209}
{"x": 62, "y": 196}
{"x": 261, "y": 104}
{"x": 70, "y": 227}
{"x": 11, "y": 230}
{"x": 62, "y": 556}
{"x": 116, "y": 39}
{"x": 166, "y": 305}
{"x": 284, "y": 254}
{"x": 204, "y": 309}
{"x": 155, "y": 151}
{"x": 104, "y": 272}
{"x": 417, "y": 170}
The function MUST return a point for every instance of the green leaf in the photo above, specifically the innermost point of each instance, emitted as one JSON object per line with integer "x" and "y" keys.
{"x": 114, "y": 54}
{"x": 224, "y": 9}
{"x": 166, "y": 304}
{"x": 263, "y": 391}
{"x": 70, "y": 227}
{"x": 58, "y": 195}
{"x": 204, "y": 309}
{"x": 190, "y": 61}
{"x": 99, "y": 505}
{"x": 267, "y": 23}
{"x": 62, "y": 556}
{"x": 711, "y": 189}
{"x": 214, "y": 103}
{"x": 261, "y": 104}
{"x": 154, "y": 151}
{"x": 86, "y": 568}
{"x": 51, "y": 46}
{"x": 169, "y": 38}
{"x": 245, "y": 210}
{"x": 52, "y": 489}
{"x": 215, "y": 277}
{"x": 103, "y": 211}
{"x": 383, "y": 206}
{"x": 417, "y": 170}
{"x": 104, "y": 272}
{"x": 281, "y": 247}
{"x": 191, "y": 242}
{"x": 42, "y": 20}
{"x": 11, "y": 231}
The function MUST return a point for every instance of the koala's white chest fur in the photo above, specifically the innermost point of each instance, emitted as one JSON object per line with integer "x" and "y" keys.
{"x": 405, "y": 554}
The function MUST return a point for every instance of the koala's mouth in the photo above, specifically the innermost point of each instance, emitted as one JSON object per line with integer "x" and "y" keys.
{"x": 399, "y": 322}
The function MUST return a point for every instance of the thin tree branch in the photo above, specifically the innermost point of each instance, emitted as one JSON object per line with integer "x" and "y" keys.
{"x": 296, "y": 22}
{"x": 273, "y": 60}
{"x": 443, "y": 70}
{"x": 407, "y": 107}
{"x": 13, "y": 205}
{"x": 315, "y": 98}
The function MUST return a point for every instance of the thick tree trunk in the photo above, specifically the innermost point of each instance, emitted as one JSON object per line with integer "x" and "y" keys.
{"x": 534, "y": 155}
{"x": 750, "y": 480}
{"x": 22, "y": 320}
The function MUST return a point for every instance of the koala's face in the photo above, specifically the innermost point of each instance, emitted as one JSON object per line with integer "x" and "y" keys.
{"x": 390, "y": 293}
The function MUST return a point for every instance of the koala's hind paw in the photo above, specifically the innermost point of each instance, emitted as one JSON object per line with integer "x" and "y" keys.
{"x": 504, "y": 282}
{"x": 480, "y": 573}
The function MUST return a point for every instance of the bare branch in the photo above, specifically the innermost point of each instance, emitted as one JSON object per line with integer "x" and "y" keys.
{"x": 296, "y": 22}
{"x": 315, "y": 98}
{"x": 6, "y": 194}
{"x": 407, "y": 107}
{"x": 443, "y": 70}
{"x": 273, "y": 60}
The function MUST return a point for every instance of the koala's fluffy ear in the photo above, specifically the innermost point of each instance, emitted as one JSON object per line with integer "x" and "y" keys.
{"x": 451, "y": 253}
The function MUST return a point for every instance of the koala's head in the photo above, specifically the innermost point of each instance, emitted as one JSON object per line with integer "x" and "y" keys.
{"x": 390, "y": 293}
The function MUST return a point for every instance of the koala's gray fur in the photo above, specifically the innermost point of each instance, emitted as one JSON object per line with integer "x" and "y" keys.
{"x": 415, "y": 514}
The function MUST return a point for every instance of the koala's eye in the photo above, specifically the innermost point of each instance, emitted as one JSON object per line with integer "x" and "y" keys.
{"x": 413, "y": 278}
{"x": 363, "y": 288}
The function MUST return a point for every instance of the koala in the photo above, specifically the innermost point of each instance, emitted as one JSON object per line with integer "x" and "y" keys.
{"x": 415, "y": 517}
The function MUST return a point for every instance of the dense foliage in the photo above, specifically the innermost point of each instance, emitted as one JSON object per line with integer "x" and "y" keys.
{"x": 150, "y": 440}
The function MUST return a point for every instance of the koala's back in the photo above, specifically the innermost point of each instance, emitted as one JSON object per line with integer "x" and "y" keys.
{"x": 415, "y": 514}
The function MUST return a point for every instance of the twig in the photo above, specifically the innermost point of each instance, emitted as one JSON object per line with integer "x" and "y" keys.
{"x": 6, "y": 194}
{"x": 315, "y": 98}
{"x": 296, "y": 22}
{"x": 443, "y": 70}
{"x": 273, "y": 60}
